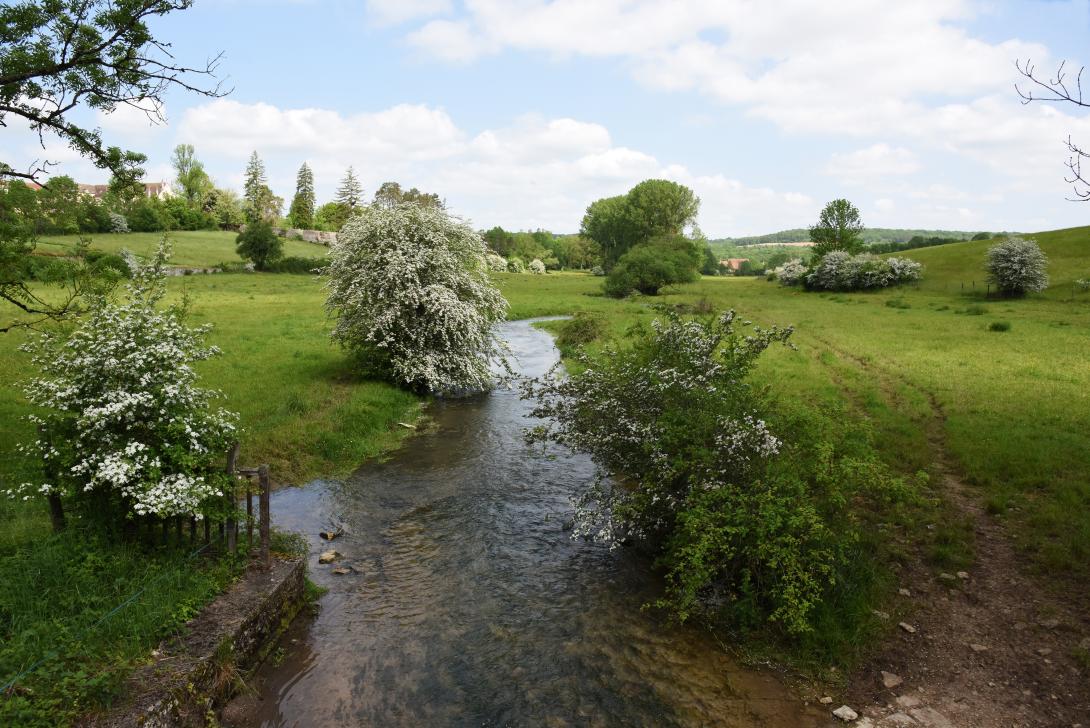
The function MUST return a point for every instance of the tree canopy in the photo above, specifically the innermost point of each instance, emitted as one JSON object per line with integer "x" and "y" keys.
{"x": 653, "y": 208}
{"x": 839, "y": 227}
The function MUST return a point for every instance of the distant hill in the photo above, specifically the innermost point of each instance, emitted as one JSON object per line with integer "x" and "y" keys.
{"x": 870, "y": 235}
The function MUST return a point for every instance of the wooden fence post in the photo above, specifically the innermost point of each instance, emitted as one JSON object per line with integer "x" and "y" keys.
{"x": 249, "y": 515}
{"x": 264, "y": 507}
{"x": 231, "y": 526}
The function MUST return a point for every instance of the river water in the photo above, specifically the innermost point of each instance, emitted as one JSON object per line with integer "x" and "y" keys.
{"x": 469, "y": 604}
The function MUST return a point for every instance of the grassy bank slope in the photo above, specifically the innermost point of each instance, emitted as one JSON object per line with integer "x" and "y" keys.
{"x": 200, "y": 248}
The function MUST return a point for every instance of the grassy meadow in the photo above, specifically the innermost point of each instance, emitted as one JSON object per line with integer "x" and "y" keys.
{"x": 1013, "y": 406}
{"x": 197, "y": 248}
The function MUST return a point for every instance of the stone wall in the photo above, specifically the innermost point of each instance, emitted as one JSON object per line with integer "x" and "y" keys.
{"x": 318, "y": 237}
{"x": 200, "y": 670}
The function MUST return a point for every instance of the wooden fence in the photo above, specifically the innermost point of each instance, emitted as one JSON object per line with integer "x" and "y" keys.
{"x": 227, "y": 531}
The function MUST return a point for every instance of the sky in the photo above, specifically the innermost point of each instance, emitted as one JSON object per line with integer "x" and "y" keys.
{"x": 522, "y": 112}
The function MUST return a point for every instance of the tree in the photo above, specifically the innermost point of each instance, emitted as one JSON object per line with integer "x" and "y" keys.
{"x": 390, "y": 194}
{"x": 839, "y": 227}
{"x": 653, "y": 265}
{"x": 63, "y": 56}
{"x": 259, "y": 244}
{"x": 1059, "y": 89}
{"x": 226, "y": 209}
{"x": 331, "y": 216}
{"x": 1017, "y": 267}
{"x": 653, "y": 208}
{"x": 192, "y": 179}
{"x": 498, "y": 239}
{"x": 122, "y": 421}
{"x": 413, "y": 299}
{"x": 350, "y": 193}
{"x": 660, "y": 207}
{"x": 608, "y": 222}
{"x": 301, "y": 213}
{"x": 255, "y": 189}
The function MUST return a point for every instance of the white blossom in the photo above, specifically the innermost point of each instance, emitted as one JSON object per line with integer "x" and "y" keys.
{"x": 123, "y": 414}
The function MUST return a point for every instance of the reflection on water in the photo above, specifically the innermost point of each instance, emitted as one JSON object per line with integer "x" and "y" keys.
{"x": 469, "y": 605}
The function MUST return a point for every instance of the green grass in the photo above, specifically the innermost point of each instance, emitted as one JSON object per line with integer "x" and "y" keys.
{"x": 201, "y": 248}
{"x": 1013, "y": 407}
{"x": 58, "y": 623}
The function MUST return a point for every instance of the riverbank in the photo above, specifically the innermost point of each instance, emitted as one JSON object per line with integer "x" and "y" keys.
{"x": 303, "y": 411}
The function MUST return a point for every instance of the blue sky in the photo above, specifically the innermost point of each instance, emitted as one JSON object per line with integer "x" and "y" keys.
{"x": 522, "y": 112}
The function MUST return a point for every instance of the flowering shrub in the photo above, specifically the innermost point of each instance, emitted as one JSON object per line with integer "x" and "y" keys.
{"x": 496, "y": 263}
{"x": 598, "y": 271}
{"x": 515, "y": 265}
{"x": 791, "y": 273}
{"x": 123, "y": 420}
{"x": 1082, "y": 285}
{"x": 675, "y": 428}
{"x": 118, "y": 223}
{"x": 1017, "y": 267}
{"x": 410, "y": 289}
{"x": 536, "y": 267}
{"x": 842, "y": 271}
{"x": 744, "y": 524}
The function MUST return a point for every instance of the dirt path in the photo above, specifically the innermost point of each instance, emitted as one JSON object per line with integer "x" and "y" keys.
{"x": 993, "y": 646}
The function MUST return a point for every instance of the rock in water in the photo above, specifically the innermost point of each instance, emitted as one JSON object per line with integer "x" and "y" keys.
{"x": 328, "y": 557}
{"x": 890, "y": 680}
{"x": 340, "y": 571}
{"x": 330, "y": 535}
{"x": 845, "y": 713}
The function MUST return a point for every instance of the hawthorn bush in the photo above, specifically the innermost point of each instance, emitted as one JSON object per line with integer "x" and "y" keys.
{"x": 1017, "y": 267}
{"x": 745, "y": 525}
{"x": 410, "y": 290}
{"x": 124, "y": 426}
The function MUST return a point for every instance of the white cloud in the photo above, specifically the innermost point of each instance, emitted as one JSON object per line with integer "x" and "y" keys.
{"x": 393, "y": 12}
{"x": 876, "y": 161}
{"x": 533, "y": 172}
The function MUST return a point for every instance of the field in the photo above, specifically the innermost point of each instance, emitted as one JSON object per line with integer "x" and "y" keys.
{"x": 1009, "y": 407}
{"x": 1013, "y": 406}
{"x": 201, "y": 248}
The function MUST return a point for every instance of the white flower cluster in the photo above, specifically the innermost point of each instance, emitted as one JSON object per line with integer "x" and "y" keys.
{"x": 118, "y": 223}
{"x": 842, "y": 271}
{"x": 1017, "y": 266}
{"x": 667, "y": 417}
{"x": 536, "y": 267}
{"x": 791, "y": 273}
{"x": 496, "y": 263}
{"x": 123, "y": 413}
{"x": 411, "y": 292}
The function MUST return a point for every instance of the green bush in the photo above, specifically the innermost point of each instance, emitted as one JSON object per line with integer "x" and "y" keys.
{"x": 650, "y": 267}
{"x": 582, "y": 329}
{"x": 999, "y": 326}
{"x": 259, "y": 244}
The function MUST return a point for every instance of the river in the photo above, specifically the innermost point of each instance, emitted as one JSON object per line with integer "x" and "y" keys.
{"x": 468, "y": 603}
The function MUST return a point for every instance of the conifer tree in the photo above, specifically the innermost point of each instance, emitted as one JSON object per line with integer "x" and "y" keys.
{"x": 350, "y": 193}
{"x": 254, "y": 189}
{"x": 302, "y": 205}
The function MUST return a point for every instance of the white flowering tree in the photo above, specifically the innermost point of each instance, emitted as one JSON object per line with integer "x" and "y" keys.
{"x": 496, "y": 263}
{"x": 410, "y": 289}
{"x": 536, "y": 267}
{"x": 123, "y": 424}
{"x": 1017, "y": 267}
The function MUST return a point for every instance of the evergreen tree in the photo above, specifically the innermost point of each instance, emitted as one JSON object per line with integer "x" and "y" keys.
{"x": 350, "y": 193}
{"x": 302, "y": 205}
{"x": 255, "y": 188}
